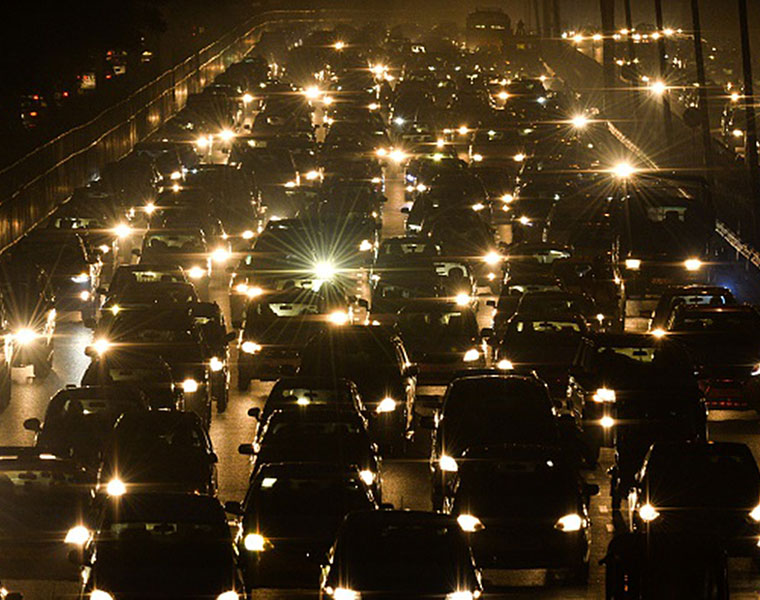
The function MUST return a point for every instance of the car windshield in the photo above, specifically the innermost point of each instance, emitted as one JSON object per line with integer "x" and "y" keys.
{"x": 300, "y": 496}
{"x": 438, "y": 325}
{"x": 173, "y": 242}
{"x": 744, "y": 323}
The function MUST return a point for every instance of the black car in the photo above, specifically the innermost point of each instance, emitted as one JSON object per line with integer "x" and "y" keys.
{"x": 488, "y": 409}
{"x": 377, "y": 361}
{"x": 184, "y": 248}
{"x": 696, "y": 294}
{"x": 79, "y": 421}
{"x": 290, "y": 516}
{"x": 158, "y": 451}
{"x": 209, "y": 320}
{"x": 524, "y": 507}
{"x": 161, "y": 545}
{"x": 710, "y": 490}
{"x": 399, "y": 554}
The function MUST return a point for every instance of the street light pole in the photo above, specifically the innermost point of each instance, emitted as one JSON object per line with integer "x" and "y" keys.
{"x": 750, "y": 136}
{"x": 704, "y": 112}
{"x": 666, "y": 114}
{"x": 608, "y": 56}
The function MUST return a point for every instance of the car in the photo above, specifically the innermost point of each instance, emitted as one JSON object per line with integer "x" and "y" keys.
{"x": 723, "y": 341}
{"x": 209, "y": 320}
{"x": 43, "y": 496}
{"x": 376, "y": 360}
{"x": 524, "y": 507}
{"x": 126, "y": 276}
{"x": 158, "y": 451}
{"x": 399, "y": 553}
{"x": 442, "y": 338}
{"x": 290, "y": 516}
{"x": 320, "y": 434}
{"x": 546, "y": 344}
{"x": 487, "y": 409}
{"x": 278, "y": 324}
{"x": 511, "y": 294}
{"x": 696, "y": 294}
{"x": 341, "y": 394}
{"x": 708, "y": 490}
{"x": 176, "y": 545}
{"x": 8, "y": 595}
{"x": 79, "y": 420}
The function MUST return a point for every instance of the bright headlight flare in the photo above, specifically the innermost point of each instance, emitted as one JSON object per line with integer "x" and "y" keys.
{"x": 255, "y": 542}
{"x": 345, "y": 594}
{"x": 175, "y": 176}
{"x": 624, "y": 170}
{"x": 81, "y": 278}
{"x": 84, "y": 295}
{"x": 189, "y": 386}
{"x": 324, "y": 271}
{"x": 365, "y": 246}
{"x": 607, "y": 422}
{"x": 658, "y": 333}
{"x": 241, "y": 288}
{"x": 312, "y": 92}
{"x": 102, "y": 345}
{"x": 448, "y": 464}
{"x": 196, "y": 272}
{"x": 463, "y": 595}
{"x": 463, "y": 130}
{"x": 755, "y": 514}
{"x": 203, "y": 142}
{"x": 220, "y": 255}
{"x": 122, "y": 230}
{"x": 492, "y": 258}
{"x": 632, "y": 264}
{"x": 226, "y": 135}
{"x": 397, "y": 156}
{"x": 471, "y": 355}
{"x": 100, "y": 595}
{"x": 216, "y": 364}
{"x": 78, "y": 535}
{"x": 254, "y": 292}
{"x": 250, "y": 347}
{"x": 603, "y": 395}
{"x": 116, "y": 488}
{"x": 386, "y": 405}
{"x": 367, "y": 476}
{"x": 247, "y": 234}
{"x": 648, "y": 513}
{"x": 507, "y": 198}
{"x": 505, "y": 365}
{"x": 519, "y": 157}
{"x": 570, "y": 523}
{"x": 462, "y": 299}
{"x": 229, "y": 595}
{"x": 338, "y": 317}
{"x": 149, "y": 208}
{"x": 247, "y": 98}
{"x": 381, "y": 152}
{"x": 104, "y": 248}
{"x": 579, "y": 121}
{"x": 470, "y": 523}
{"x": 312, "y": 175}
{"x": 692, "y": 264}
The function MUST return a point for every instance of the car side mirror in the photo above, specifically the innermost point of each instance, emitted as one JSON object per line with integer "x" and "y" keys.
{"x": 427, "y": 421}
{"x": 33, "y": 424}
{"x": 75, "y": 556}
{"x": 230, "y": 336}
{"x": 491, "y": 303}
{"x": 233, "y": 507}
{"x": 102, "y": 290}
{"x": 363, "y": 303}
{"x": 590, "y": 489}
{"x": 246, "y": 449}
{"x": 412, "y": 370}
{"x": 90, "y": 351}
{"x": 383, "y": 199}
{"x": 487, "y": 333}
{"x": 136, "y": 252}
{"x": 254, "y": 412}
{"x": 213, "y": 458}
{"x": 405, "y": 210}
{"x": 386, "y": 506}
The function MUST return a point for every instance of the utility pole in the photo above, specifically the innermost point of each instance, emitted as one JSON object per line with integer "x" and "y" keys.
{"x": 635, "y": 95}
{"x": 536, "y": 12}
{"x": 750, "y": 136}
{"x": 547, "y": 19}
{"x": 557, "y": 22}
{"x": 704, "y": 112}
{"x": 666, "y": 114}
{"x": 608, "y": 55}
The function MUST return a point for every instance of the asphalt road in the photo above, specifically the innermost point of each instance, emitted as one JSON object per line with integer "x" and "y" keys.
{"x": 405, "y": 482}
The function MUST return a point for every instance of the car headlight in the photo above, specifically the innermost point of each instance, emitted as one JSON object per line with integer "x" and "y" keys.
{"x": 116, "y": 488}
{"x": 607, "y": 422}
{"x": 603, "y": 395}
{"x": 250, "y": 347}
{"x": 338, "y": 317}
{"x": 216, "y": 364}
{"x": 386, "y": 405}
{"x": 226, "y": 135}
{"x": 122, "y": 230}
{"x": 367, "y": 476}
{"x": 505, "y": 365}
{"x": 448, "y": 464}
{"x": 648, "y": 513}
{"x": 463, "y": 595}
{"x": 365, "y": 246}
{"x": 101, "y": 345}
{"x": 84, "y": 295}
{"x": 78, "y": 535}
{"x": 189, "y": 386}
{"x": 229, "y": 595}
{"x": 658, "y": 333}
{"x": 471, "y": 355}
{"x": 397, "y": 156}
{"x": 470, "y": 523}
{"x": 312, "y": 176}
{"x": 149, "y": 208}
{"x": 100, "y": 595}
{"x": 755, "y": 514}
{"x": 25, "y": 336}
{"x": 104, "y": 248}
{"x": 255, "y": 542}
{"x": 692, "y": 264}
{"x": 324, "y": 271}
{"x": 492, "y": 258}
{"x": 247, "y": 234}
{"x": 632, "y": 264}
{"x": 241, "y": 288}
{"x": 254, "y": 292}
{"x": 196, "y": 272}
{"x": 220, "y": 255}
{"x": 81, "y": 278}
{"x": 462, "y": 299}
{"x": 570, "y": 523}
{"x": 345, "y": 594}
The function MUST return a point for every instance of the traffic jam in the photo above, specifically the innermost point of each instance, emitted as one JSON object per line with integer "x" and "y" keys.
{"x": 384, "y": 312}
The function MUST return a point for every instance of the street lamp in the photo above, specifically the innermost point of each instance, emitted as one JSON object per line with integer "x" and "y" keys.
{"x": 658, "y": 87}
{"x": 579, "y": 121}
{"x": 624, "y": 170}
